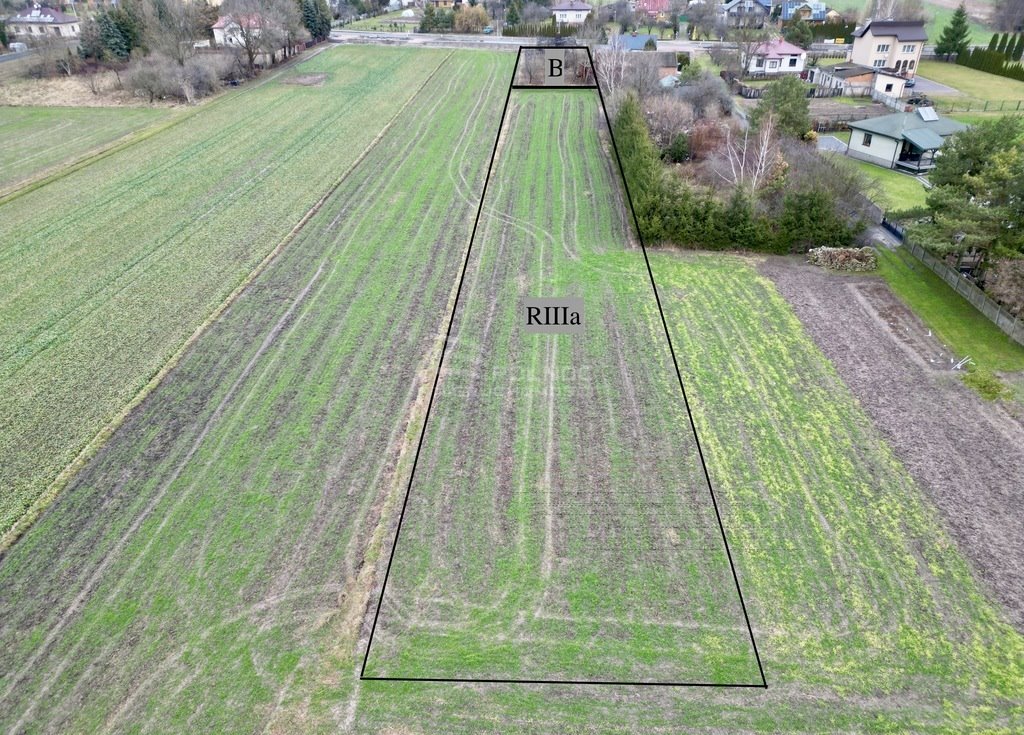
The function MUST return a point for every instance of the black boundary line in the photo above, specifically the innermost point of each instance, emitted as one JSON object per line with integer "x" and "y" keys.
{"x": 433, "y": 390}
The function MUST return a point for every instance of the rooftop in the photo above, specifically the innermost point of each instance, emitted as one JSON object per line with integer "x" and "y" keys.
{"x": 904, "y": 30}
{"x": 42, "y": 14}
{"x": 777, "y": 48}
{"x": 911, "y": 126}
{"x": 571, "y": 5}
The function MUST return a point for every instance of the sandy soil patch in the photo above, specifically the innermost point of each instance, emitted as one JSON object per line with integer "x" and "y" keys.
{"x": 306, "y": 80}
{"x": 965, "y": 453}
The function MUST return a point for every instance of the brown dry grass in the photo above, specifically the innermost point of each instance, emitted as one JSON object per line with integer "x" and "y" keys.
{"x": 71, "y": 92}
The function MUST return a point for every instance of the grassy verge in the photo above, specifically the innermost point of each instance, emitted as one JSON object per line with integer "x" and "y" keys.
{"x": 949, "y": 315}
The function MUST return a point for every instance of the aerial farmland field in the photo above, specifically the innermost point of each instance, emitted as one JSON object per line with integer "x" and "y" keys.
{"x": 94, "y": 300}
{"x": 216, "y": 564}
{"x": 39, "y": 139}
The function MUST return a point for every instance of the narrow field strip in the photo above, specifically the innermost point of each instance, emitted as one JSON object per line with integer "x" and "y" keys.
{"x": 493, "y": 582}
{"x": 98, "y": 295}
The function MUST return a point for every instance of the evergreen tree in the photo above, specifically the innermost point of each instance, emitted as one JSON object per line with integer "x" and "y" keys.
{"x": 787, "y": 98}
{"x": 993, "y": 42}
{"x": 799, "y": 34}
{"x": 955, "y": 37}
{"x": 742, "y": 228}
{"x": 512, "y": 17}
{"x": 4, "y": 41}
{"x": 316, "y": 18}
{"x": 1018, "y": 49}
{"x": 429, "y": 21}
{"x": 1004, "y": 41}
{"x": 112, "y": 38}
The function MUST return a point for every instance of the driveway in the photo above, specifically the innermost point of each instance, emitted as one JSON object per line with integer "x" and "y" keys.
{"x": 927, "y": 86}
{"x": 831, "y": 143}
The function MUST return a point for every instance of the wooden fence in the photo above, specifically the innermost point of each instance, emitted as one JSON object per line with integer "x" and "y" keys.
{"x": 959, "y": 283}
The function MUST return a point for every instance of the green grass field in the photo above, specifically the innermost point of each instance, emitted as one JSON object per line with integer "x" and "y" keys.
{"x": 92, "y": 305}
{"x": 384, "y": 22}
{"x": 582, "y": 463}
{"x": 216, "y": 566}
{"x": 37, "y": 139}
{"x": 898, "y": 191}
{"x": 976, "y": 85}
{"x": 952, "y": 317}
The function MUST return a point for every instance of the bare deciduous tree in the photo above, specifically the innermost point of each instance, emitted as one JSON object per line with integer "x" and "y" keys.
{"x": 611, "y": 64}
{"x": 749, "y": 161}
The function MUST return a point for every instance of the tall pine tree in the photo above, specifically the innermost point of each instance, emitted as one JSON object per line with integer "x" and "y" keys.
{"x": 1004, "y": 40}
{"x": 993, "y": 42}
{"x": 1018, "y": 49}
{"x": 955, "y": 38}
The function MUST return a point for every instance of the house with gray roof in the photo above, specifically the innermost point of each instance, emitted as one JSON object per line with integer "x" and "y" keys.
{"x": 889, "y": 44}
{"x": 905, "y": 141}
{"x": 40, "y": 21}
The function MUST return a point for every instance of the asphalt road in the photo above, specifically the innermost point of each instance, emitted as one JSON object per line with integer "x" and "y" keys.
{"x": 927, "y": 86}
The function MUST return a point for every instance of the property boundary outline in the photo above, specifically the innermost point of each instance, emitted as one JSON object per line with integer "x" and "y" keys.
{"x": 686, "y": 402}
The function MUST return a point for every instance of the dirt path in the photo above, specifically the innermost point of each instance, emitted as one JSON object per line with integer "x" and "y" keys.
{"x": 967, "y": 454}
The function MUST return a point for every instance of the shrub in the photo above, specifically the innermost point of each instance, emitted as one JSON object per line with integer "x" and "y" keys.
{"x": 844, "y": 259}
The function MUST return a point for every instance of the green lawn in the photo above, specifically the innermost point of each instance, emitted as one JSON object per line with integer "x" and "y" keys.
{"x": 948, "y": 314}
{"x": 897, "y": 191}
{"x": 384, "y": 22}
{"x": 977, "y": 85}
{"x": 34, "y": 140}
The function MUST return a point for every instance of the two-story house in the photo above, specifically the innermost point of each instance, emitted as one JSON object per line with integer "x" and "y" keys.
{"x": 570, "y": 12}
{"x": 889, "y": 44}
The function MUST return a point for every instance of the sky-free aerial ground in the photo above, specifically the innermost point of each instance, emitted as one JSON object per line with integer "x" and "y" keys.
{"x": 215, "y": 567}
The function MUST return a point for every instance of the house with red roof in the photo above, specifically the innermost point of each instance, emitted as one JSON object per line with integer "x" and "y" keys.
{"x": 776, "y": 57}
{"x": 658, "y": 9}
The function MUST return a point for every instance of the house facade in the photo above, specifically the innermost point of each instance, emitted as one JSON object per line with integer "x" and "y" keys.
{"x": 40, "y": 21}
{"x": 889, "y": 44}
{"x": 777, "y": 57}
{"x": 906, "y": 141}
{"x": 571, "y": 13}
{"x": 657, "y": 9}
{"x": 745, "y": 13}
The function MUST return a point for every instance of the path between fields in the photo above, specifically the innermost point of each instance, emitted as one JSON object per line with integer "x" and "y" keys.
{"x": 965, "y": 453}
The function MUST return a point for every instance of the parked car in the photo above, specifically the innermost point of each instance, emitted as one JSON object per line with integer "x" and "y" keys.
{"x": 910, "y": 83}
{"x": 488, "y": 29}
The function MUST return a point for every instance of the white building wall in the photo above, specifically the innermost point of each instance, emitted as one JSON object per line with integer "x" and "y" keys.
{"x": 881, "y": 151}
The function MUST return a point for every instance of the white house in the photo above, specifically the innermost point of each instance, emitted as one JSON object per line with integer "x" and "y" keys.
{"x": 776, "y": 57}
{"x": 889, "y": 44}
{"x": 906, "y": 141}
{"x": 571, "y": 12}
{"x": 41, "y": 21}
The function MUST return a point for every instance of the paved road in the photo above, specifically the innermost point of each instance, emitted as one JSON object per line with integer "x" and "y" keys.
{"x": 927, "y": 86}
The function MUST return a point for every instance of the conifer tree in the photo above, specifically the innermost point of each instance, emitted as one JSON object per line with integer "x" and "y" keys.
{"x": 955, "y": 38}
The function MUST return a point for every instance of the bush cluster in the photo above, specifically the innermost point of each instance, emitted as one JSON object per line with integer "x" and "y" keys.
{"x": 671, "y": 211}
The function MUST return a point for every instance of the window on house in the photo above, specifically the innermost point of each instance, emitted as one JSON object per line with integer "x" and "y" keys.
{"x": 773, "y": 65}
{"x": 912, "y": 62}
{"x": 56, "y": 30}
{"x": 908, "y": 48}
{"x": 878, "y": 63}
{"x": 759, "y": 63}
{"x": 792, "y": 62}
{"x": 867, "y": 140}
{"x": 888, "y": 87}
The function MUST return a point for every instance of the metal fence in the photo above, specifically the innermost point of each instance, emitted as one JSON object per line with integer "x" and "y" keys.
{"x": 993, "y": 311}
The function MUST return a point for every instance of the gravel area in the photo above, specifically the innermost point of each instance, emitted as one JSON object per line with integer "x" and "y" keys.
{"x": 965, "y": 453}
